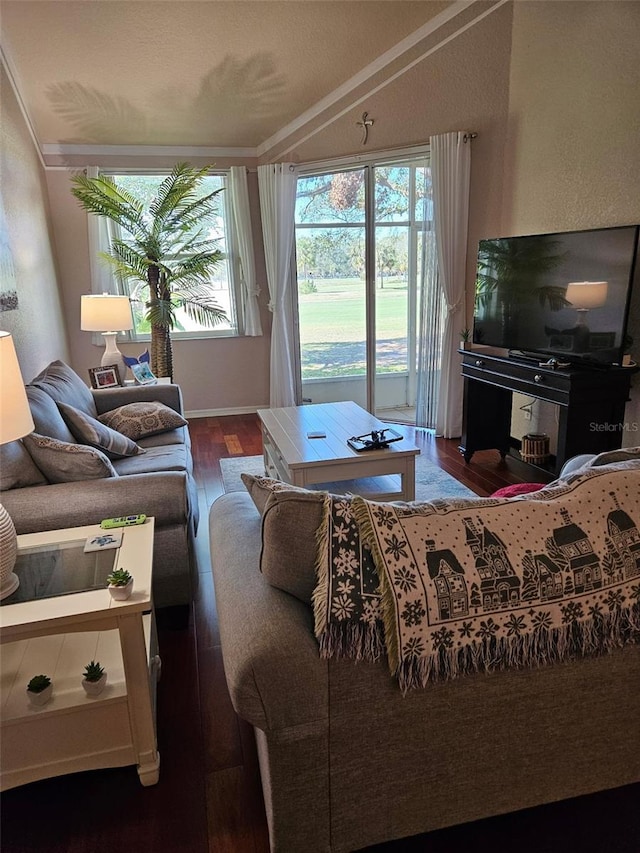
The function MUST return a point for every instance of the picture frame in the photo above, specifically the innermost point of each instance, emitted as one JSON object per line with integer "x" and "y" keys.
{"x": 142, "y": 374}
{"x": 105, "y": 377}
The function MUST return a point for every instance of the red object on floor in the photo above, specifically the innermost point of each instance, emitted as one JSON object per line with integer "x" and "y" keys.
{"x": 517, "y": 489}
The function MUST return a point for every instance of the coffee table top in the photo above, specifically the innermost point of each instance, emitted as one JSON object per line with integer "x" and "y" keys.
{"x": 289, "y": 427}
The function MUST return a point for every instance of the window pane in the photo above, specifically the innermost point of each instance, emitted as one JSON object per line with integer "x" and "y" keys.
{"x": 331, "y": 302}
{"x": 328, "y": 199}
{"x": 392, "y": 193}
{"x": 391, "y": 299}
{"x": 145, "y": 187}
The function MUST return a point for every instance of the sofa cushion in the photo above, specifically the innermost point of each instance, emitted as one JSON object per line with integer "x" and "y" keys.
{"x": 137, "y": 420}
{"x": 17, "y": 468}
{"x": 47, "y": 418}
{"x": 261, "y": 488}
{"x": 290, "y": 524}
{"x": 173, "y": 457}
{"x": 88, "y": 430}
{"x": 64, "y": 385}
{"x": 61, "y": 462}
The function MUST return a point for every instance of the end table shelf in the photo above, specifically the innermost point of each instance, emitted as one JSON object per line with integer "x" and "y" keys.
{"x": 58, "y": 636}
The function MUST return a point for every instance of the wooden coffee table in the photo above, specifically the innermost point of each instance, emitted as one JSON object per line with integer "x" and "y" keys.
{"x": 328, "y": 462}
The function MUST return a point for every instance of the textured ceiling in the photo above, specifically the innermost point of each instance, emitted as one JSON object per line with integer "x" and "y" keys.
{"x": 190, "y": 72}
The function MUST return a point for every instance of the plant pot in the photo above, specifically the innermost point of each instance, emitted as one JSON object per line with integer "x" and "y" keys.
{"x": 121, "y": 593}
{"x": 95, "y": 688}
{"x": 42, "y": 697}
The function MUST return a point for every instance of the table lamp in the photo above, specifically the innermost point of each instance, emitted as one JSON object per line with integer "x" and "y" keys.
{"x": 15, "y": 421}
{"x": 104, "y": 313}
{"x": 584, "y": 295}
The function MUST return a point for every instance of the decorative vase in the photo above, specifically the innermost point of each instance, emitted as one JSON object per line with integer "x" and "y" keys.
{"x": 42, "y": 697}
{"x": 94, "y": 688}
{"x": 121, "y": 593}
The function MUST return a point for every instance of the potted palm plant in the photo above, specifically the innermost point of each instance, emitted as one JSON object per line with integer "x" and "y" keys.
{"x": 164, "y": 248}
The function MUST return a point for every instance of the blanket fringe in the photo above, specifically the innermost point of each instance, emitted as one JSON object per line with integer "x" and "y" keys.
{"x": 356, "y": 641}
{"x": 589, "y": 638}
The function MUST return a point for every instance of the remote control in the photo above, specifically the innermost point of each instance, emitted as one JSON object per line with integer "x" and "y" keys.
{"x": 122, "y": 521}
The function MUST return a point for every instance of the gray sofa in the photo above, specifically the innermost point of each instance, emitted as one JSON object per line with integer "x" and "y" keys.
{"x": 158, "y": 482}
{"x": 347, "y": 761}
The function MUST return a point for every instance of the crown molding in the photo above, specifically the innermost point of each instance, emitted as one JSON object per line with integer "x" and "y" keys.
{"x": 361, "y": 99}
{"x": 365, "y": 74}
{"x": 56, "y": 150}
{"x": 9, "y": 67}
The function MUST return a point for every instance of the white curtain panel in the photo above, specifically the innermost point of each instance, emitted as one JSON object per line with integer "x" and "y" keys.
{"x": 241, "y": 218}
{"x": 450, "y": 172}
{"x": 277, "y": 185}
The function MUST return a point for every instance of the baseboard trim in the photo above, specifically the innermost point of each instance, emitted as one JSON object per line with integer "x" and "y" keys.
{"x": 218, "y": 413}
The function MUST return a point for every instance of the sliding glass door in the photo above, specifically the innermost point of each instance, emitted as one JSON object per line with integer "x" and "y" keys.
{"x": 360, "y": 236}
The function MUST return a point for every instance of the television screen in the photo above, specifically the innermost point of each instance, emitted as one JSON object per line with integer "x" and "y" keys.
{"x": 566, "y": 295}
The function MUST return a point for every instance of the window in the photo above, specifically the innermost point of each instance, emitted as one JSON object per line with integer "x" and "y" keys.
{"x": 222, "y": 282}
{"x": 368, "y": 296}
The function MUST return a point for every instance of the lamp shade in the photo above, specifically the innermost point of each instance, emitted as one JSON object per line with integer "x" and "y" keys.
{"x": 15, "y": 415}
{"x": 105, "y": 313}
{"x": 587, "y": 294}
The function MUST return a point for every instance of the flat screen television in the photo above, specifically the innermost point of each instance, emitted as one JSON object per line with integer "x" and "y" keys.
{"x": 564, "y": 295}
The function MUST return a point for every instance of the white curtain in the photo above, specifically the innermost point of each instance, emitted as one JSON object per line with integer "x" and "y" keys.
{"x": 450, "y": 172}
{"x": 241, "y": 218}
{"x": 277, "y": 185}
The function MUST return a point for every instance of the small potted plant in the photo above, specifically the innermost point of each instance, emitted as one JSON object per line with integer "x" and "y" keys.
{"x": 39, "y": 690}
{"x": 465, "y": 338}
{"x": 120, "y": 584}
{"x": 94, "y": 678}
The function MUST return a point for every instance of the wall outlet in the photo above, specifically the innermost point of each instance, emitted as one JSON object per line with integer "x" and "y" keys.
{"x": 527, "y": 414}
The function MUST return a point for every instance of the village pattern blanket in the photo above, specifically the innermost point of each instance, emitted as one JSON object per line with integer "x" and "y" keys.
{"x": 475, "y": 585}
{"x": 346, "y": 600}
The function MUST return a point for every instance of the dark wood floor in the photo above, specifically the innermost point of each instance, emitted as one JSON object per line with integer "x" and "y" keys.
{"x": 208, "y": 799}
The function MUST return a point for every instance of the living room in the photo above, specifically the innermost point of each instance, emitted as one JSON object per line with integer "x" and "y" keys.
{"x": 550, "y": 89}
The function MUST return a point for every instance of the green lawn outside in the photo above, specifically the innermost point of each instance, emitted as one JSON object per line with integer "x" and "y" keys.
{"x": 332, "y": 328}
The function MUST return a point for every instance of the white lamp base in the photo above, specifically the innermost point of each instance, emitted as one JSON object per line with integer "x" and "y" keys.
{"x": 112, "y": 354}
{"x": 9, "y": 581}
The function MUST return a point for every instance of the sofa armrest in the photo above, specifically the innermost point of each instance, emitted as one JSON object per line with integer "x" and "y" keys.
{"x": 275, "y": 675}
{"x": 111, "y": 398}
{"x": 164, "y": 496}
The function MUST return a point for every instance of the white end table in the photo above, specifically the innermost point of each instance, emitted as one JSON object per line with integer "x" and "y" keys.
{"x": 57, "y": 636}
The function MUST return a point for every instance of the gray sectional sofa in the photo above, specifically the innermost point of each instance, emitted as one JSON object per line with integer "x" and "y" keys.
{"x": 158, "y": 481}
{"x": 347, "y": 760}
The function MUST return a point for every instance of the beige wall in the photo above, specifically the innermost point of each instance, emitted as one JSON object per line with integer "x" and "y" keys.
{"x": 216, "y": 374}
{"x": 572, "y": 158}
{"x": 28, "y": 264}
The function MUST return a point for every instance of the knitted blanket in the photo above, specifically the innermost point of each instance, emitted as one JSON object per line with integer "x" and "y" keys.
{"x": 482, "y": 584}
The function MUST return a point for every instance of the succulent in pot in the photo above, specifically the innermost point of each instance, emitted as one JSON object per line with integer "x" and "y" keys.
{"x": 94, "y": 678}
{"x": 120, "y": 584}
{"x": 39, "y": 689}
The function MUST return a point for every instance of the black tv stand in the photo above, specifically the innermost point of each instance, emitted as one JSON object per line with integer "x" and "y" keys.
{"x": 591, "y": 403}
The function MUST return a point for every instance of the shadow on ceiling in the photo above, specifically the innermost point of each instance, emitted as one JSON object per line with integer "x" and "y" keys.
{"x": 232, "y": 101}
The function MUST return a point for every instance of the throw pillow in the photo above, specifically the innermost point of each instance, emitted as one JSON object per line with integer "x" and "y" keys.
{"x": 17, "y": 468}
{"x": 261, "y": 488}
{"x": 517, "y": 489}
{"x": 290, "y": 524}
{"x": 64, "y": 385}
{"x": 139, "y": 420}
{"x": 61, "y": 462}
{"x": 88, "y": 430}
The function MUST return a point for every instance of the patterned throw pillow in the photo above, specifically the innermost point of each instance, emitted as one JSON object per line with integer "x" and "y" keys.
{"x": 261, "y": 488}
{"x": 61, "y": 462}
{"x": 140, "y": 420}
{"x": 88, "y": 430}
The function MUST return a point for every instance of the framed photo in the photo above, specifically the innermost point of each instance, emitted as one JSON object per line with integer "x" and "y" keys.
{"x": 142, "y": 373}
{"x": 105, "y": 377}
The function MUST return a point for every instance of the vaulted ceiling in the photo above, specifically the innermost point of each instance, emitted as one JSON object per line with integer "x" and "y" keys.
{"x": 229, "y": 73}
